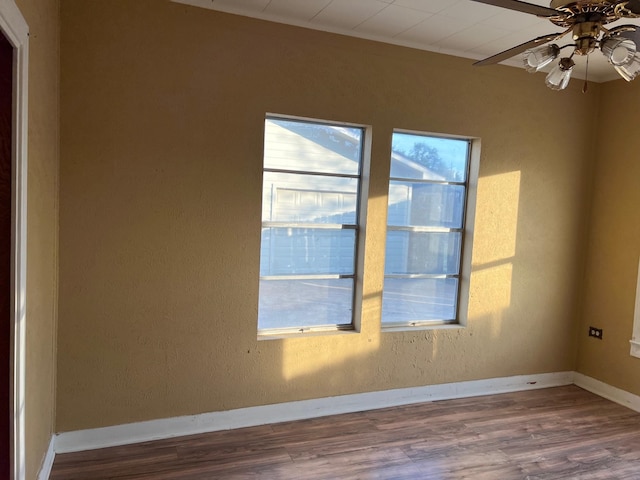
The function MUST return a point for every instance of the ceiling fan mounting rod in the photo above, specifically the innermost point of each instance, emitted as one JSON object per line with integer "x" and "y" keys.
{"x": 585, "y": 36}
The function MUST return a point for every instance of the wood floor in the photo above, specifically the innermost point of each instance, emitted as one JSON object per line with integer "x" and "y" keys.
{"x": 555, "y": 433}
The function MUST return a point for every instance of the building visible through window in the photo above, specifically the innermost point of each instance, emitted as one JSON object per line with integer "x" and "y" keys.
{"x": 310, "y": 218}
{"x": 425, "y": 226}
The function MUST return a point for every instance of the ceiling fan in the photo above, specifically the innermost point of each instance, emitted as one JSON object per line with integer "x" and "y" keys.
{"x": 585, "y": 20}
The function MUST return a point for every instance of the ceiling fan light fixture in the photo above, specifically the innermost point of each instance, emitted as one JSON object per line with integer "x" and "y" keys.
{"x": 618, "y": 50}
{"x": 538, "y": 58}
{"x": 558, "y": 78}
{"x": 630, "y": 70}
{"x": 587, "y": 21}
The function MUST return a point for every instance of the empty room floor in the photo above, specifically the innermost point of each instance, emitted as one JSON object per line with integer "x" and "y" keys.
{"x": 553, "y": 433}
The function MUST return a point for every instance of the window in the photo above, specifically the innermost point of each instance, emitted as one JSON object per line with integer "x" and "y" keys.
{"x": 635, "y": 339}
{"x": 428, "y": 191}
{"x": 310, "y": 217}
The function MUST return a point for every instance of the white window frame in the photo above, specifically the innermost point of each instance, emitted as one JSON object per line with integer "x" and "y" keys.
{"x": 361, "y": 203}
{"x": 467, "y": 232}
{"x": 635, "y": 339}
{"x": 16, "y": 31}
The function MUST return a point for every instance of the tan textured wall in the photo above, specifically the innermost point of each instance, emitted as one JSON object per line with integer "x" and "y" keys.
{"x": 162, "y": 123}
{"x": 42, "y": 16}
{"x": 614, "y": 243}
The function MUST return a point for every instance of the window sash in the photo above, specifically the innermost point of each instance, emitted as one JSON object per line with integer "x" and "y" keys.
{"x": 390, "y": 321}
{"x": 306, "y": 299}
{"x": 340, "y": 296}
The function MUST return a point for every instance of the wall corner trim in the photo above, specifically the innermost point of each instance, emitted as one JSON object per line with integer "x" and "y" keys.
{"x": 91, "y": 439}
{"x": 47, "y": 461}
{"x": 609, "y": 392}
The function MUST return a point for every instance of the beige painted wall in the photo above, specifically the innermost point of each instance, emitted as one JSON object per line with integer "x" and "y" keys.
{"x": 42, "y": 16}
{"x": 614, "y": 243}
{"x": 162, "y": 110}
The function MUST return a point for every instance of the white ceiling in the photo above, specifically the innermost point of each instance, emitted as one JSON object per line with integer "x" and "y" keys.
{"x": 455, "y": 27}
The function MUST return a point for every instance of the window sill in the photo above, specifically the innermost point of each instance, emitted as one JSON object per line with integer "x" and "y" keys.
{"x": 410, "y": 328}
{"x": 635, "y": 348}
{"x": 307, "y": 334}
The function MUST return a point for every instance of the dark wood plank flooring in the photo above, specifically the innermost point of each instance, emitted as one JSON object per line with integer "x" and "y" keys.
{"x": 555, "y": 433}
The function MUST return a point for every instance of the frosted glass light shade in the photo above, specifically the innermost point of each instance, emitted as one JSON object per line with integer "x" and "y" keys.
{"x": 630, "y": 70}
{"x": 539, "y": 57}
{"x": 618, "y": 50}
{"x": 559, "y": 77}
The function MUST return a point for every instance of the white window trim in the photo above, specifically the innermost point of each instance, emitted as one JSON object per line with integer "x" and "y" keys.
{"x": 635, "y": 339}
{"x": 469, "y": 229}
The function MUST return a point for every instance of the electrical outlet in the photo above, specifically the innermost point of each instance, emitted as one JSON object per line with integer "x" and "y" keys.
{"x": 595, "y": 332}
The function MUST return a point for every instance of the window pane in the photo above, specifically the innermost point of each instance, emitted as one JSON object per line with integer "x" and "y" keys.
{"x": 309, "y": 198}
{"x": 310, "y": 201}
{"x": 311, "y": 147}
{"x": 406, "y": 300}
{"x": 425, "y": 221}
{"x": 307, "y": 251}
{"x": 429, "y": 158}
{"x": 304, "y": 303}
{"x": 425, "y": 204}
{"x": 420, "y": 253}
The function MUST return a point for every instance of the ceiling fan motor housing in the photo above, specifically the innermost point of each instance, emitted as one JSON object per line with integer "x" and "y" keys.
{"x": 585, "y": 36}
{"x": 573, "y": 12}
{"x": 585, "y": 18}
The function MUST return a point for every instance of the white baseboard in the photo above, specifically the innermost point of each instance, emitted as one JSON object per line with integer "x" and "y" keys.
{"x": 247, "y": 417}
{"x": 47, "y": 461}
{"x": 604, "y": 390}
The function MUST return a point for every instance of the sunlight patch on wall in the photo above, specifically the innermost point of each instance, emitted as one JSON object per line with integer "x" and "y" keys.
{"x": 494, "y": 248}
{"x": 330, "y": 354}
{"x": 491, "y": 294}
{"x": 496, "y": 218}
{"x": 324, "y": 355}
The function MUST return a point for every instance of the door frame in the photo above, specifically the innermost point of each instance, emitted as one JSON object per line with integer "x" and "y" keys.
{"x": 15, "y": 29}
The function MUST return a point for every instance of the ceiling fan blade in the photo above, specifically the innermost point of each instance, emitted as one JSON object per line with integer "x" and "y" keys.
{"x": 525, "y": 7}
{"x": 622, "y": 28}
{"x": 633, "y": 6}
{"x": 631, "y": 34}
{"x": 628, "y": 31}
{"x": 499, "y": 57}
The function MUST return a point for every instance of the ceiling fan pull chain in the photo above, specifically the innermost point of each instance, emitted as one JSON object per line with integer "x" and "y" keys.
{"x": 585, "y": 87}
